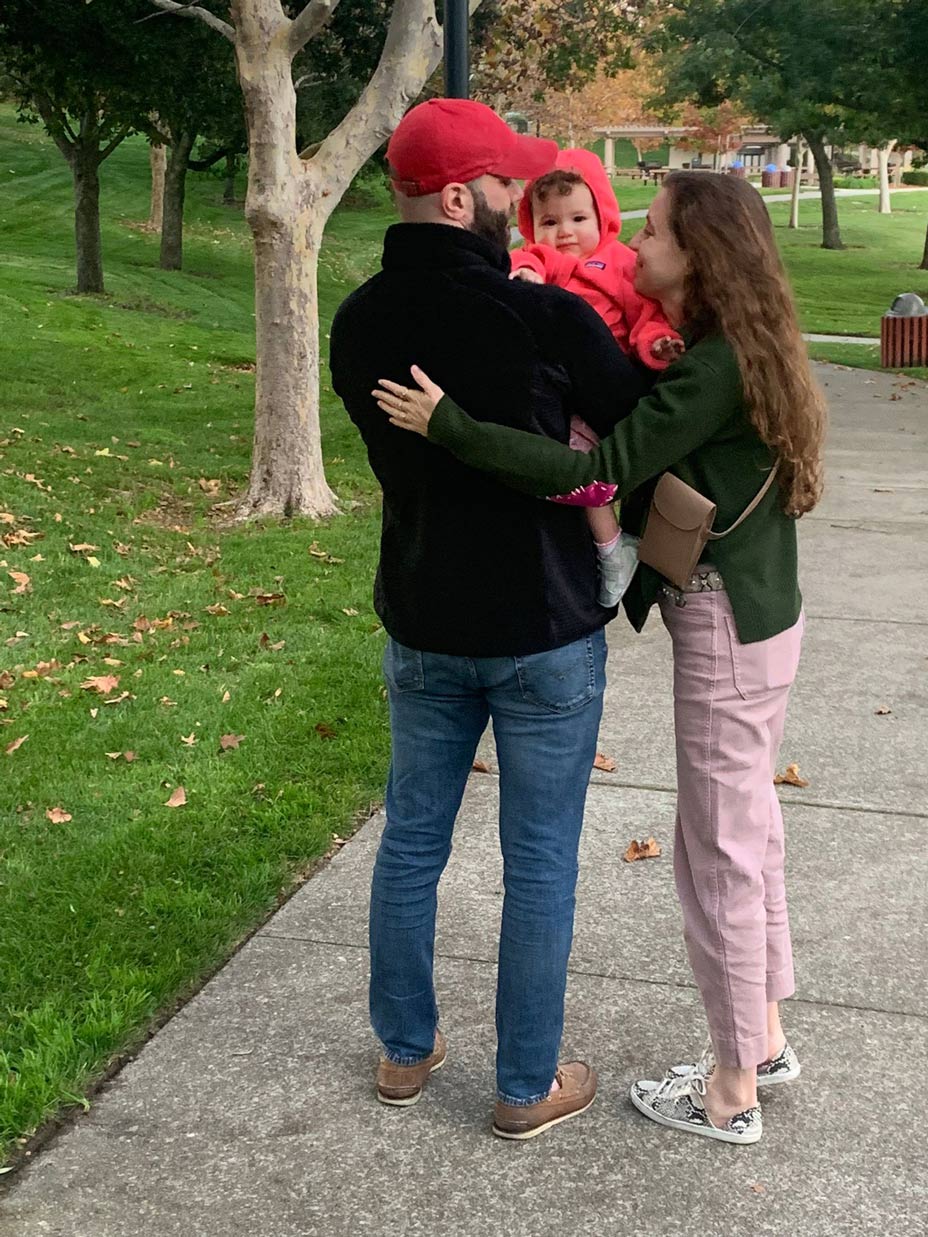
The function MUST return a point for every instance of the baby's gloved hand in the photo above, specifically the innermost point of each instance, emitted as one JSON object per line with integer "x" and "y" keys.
{"x": 527, "y": 274}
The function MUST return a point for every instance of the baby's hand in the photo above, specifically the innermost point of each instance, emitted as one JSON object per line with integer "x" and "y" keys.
{"x": 526, "y": 273}
{"x": 668, "y": 348}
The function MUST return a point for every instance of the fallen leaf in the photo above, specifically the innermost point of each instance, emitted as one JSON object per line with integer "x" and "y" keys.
{"x": 229, "y": 742}
{"x": 167, "y": 702}
{"x": 102, "y": 683}
{"x": 325, "y": 731}
{"x": 7, "y": 517}
{"x": 209, "y": 486}
{"x": 82, "y": 547}
{"x": 642, "y": 850}
{"x": 4, "y": 705}
{"x": 882, "y": 711}
{"x": 350, "y": 611}
{"x": 128, "y": 757}
{"x": 790, "y": 777}
{"x": 119, "y": 699}
{"x": 126, "y": 583}
{"x": 94, "y": 562}
{"x": 604, "y": 763}
{"x": 480, "y": 767}
{"x": 178, "y": 798}
{"x": 218, "y": 608}
{"x": 57, "y": 815}
{"x": 6, "y": 679}
{"x": 757, "y": 1188}
{"x": 189, "y": 739}
{"x": 94, "y": 712}
{"x": 17, "y": 743}
{"x": 316, "y": 552}
{"x": 269, "y": 599}
{"x": 226, "y": 697}
{"x": 70, "y": 626}
{"x": 22, "y": 582}
{"x": 117, "y": 605}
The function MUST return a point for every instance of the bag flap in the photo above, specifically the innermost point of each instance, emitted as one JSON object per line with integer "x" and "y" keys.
{"x": 681, "y": 505}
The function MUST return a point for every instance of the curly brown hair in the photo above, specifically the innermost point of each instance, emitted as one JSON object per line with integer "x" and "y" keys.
{"x": 560, "y": 181}
{"x": 737, "y": 285}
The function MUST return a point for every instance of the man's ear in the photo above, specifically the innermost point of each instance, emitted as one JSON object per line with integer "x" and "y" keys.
{"x": 457, "y": 204}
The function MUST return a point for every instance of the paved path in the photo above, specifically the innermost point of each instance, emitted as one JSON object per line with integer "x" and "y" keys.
{"x": 808, "y": 196}
{"x": 251, "y": 1114}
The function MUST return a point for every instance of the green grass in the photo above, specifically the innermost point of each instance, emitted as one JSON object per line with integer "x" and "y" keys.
{"x": 846, "y": 292}
{"x": 113, "y": 410}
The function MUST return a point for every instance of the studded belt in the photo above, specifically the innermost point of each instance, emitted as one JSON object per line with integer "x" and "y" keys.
{"x": 703, "y": 580}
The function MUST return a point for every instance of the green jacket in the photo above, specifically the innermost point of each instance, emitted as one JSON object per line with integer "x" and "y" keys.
{"x": 694, "y": 424}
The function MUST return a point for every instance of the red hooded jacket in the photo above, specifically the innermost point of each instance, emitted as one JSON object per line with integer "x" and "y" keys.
{"x": 604, "y": 278}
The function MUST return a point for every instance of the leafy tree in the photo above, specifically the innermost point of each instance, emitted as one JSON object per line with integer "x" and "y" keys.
{"x": 788, "y": 62}
{"x": 78, "y": 69}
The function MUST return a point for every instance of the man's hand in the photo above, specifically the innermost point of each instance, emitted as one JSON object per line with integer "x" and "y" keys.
{"x": 668, "y": 348}
{"x": 527, "y": 274}
{"x": 408, "y": 408}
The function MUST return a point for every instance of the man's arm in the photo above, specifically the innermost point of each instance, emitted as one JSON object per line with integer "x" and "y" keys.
{"x": 605, "y": 383}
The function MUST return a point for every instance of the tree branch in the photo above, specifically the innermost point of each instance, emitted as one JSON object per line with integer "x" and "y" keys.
{"x": 111, "y": 146}
{"x": 193, "y": 10}
{"x": 309, "y": 22}
{"x": 410, "y": 55}
{"x": 203, "y": 165}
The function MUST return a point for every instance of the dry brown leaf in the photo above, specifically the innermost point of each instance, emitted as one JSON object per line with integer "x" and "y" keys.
{"x": 6, "y": 679}
{"x": 102, "y": 683}
{"x": 757, "y": 1188}
{"x": 189, "y": 739}
{"x": 120, "y": 698}
{"x": 126, "y": 583}
{"x": 350, "y": 611}
{"x": 210, "y": 485}
{"x": 57, "y": 815}
{"x": 167, "y": 702}
{"x": 82, "y": 547}
{"x": 4, "y": 705}
{"x": 229, "y": 742}
{"x": 17, "y": 743}
{"x": 117, "y": 605}
{"x": 269, "y": 599}
{"x": 790, "y": 777}
{"x": 7, "y": 517}
{"x": 324, "y": 731}
{"x": 178, "y": 798}
{"x": 316, "y": 552}
{"x": 883, "y": 711}
{"x": 218, "y": 608}
{"x": 21, "y": 580}
{"x": 642, "y": 850}
{"x": 70, "y": 626}
{"x": 604, "y": 763}
{"x": 480, "y": 767}
{"x": 226, "y": 697}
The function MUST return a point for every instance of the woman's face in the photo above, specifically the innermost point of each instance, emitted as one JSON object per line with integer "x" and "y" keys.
{"x": 662, "y": 266}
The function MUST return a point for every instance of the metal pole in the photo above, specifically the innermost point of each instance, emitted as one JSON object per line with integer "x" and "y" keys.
{"x": 457, "y": 52}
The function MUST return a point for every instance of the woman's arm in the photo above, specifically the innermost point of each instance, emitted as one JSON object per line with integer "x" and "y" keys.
{"x": 688, "y": 404}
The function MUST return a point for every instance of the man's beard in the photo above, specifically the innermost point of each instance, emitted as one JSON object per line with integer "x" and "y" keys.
{"x": 492, "y": 225}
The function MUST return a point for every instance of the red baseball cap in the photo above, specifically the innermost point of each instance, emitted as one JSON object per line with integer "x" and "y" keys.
{"x": 446, "y": 140}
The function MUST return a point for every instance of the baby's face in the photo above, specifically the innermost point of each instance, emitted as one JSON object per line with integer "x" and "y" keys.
{"x": 568, "y": 222}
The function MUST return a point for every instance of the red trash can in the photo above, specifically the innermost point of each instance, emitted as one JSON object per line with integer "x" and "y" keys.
{"x": 770, "y": 180}
{"x": 786, "y": 179}
{"x": 904, "y": 333}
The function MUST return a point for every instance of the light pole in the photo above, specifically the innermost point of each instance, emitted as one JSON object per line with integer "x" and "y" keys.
{"x": 457, "y": 52}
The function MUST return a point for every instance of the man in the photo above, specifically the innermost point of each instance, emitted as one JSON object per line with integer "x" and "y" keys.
{"x": 488, "y": 598}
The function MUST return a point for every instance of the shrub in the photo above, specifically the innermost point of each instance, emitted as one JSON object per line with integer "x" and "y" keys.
{"x": 915, "y": 178}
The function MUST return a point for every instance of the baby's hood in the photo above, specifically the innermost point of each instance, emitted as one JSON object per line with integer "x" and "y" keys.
{"x": 590, "y": 167}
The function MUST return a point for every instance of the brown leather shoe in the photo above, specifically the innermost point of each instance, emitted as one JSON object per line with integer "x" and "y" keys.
{"x": 578, "y": 1090}
{"x": 401, "y": 1085}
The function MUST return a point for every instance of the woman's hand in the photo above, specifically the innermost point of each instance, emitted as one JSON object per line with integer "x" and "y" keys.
{"x": 409, "y": 408}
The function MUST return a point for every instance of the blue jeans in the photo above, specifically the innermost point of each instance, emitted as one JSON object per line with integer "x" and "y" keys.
{"x": 546, "y": 709}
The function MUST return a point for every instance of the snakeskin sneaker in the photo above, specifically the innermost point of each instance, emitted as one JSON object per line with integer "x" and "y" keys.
{"x": 678, "y": 1102}
{"x": 784, "y": 1067}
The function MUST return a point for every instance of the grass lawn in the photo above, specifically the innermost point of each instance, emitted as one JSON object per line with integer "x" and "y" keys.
{"x": 122, "y": 421}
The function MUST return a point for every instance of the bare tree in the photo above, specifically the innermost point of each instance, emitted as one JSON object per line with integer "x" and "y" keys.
{"x": 288, "y": 204}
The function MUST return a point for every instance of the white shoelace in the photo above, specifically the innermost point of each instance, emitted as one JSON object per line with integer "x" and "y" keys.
{"x": 675, "y": 1086}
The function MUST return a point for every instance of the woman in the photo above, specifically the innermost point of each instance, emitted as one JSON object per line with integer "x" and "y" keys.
{"x": 739, "y": 402}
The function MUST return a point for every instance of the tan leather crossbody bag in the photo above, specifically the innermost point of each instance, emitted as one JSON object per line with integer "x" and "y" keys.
{"x": 680, "y": 523}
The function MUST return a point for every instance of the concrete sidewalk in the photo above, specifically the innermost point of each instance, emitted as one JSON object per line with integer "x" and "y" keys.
{"x": 252, "y": 1113}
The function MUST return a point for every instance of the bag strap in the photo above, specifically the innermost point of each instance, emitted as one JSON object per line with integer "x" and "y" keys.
{"x": 771, "y": 477}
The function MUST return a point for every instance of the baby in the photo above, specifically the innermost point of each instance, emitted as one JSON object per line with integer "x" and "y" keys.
{"x": 571, "y": 221}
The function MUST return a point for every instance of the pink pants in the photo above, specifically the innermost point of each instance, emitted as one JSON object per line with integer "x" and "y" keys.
{"x": 729, "y": 710}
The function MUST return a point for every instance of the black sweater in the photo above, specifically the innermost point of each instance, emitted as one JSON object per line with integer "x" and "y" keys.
{"x": 467, "y": 565}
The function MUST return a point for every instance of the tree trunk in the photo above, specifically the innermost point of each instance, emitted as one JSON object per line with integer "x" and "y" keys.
{"x": 884, "y": 205}
{"x": 797, "y": 177}
{"x": 924, "y": 262}
{"x": 287, "y": 221}
{"x": 175, "y": 184}
{"x": 85, "y": 169}
{"x": 228, "y": 191}
{"x": 831, "y": 233}
{"x": 156, "y": 158}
